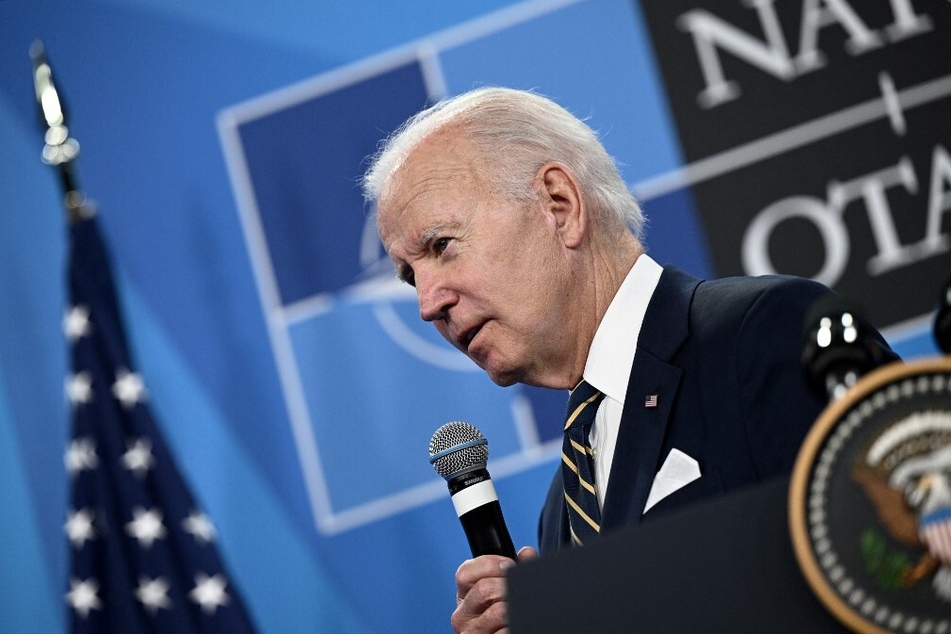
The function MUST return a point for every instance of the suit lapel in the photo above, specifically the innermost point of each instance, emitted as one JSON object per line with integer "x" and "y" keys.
{"x": 643, "y": 428}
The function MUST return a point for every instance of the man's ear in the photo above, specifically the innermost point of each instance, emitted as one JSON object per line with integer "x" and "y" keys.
{"x": 560, "y": 195}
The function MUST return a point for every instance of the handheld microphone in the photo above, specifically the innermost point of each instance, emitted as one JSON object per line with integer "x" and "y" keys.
{"x": 459, "y": 452}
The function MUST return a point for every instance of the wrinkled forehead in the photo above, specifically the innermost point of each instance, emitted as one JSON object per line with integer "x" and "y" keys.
{"x": 442, "y": 172}
{"x": 449, "y": 141}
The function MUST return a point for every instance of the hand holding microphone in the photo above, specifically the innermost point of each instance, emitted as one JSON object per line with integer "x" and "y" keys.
{"x": 459, "y": 453}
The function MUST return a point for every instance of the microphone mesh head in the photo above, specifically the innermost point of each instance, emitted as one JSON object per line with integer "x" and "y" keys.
{"x": 457, "y": 447}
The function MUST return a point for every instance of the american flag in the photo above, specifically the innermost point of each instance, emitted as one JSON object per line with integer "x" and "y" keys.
{"x": 143, "y": 554}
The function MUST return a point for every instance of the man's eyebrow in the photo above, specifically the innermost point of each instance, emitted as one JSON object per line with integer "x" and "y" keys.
{"x": 426, "y": 237}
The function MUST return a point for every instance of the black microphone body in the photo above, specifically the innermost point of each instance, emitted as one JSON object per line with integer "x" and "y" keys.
{"x": 481, "y": 516}
{"x": 459, "y": 453}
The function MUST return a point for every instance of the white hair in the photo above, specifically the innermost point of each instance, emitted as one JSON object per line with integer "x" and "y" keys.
{"x": 516, "y": 132}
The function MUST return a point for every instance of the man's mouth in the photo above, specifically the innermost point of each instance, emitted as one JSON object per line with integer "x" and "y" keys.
{"x": 470, "y": 335}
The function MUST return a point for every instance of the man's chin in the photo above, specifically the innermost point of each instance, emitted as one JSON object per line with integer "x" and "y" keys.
{"x": 504, "y": 381}
{"x": 500, "y": 372}
{"x": 503, "y": 377}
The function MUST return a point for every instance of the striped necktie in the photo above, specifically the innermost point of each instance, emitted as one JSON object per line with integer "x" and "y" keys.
{"x": 577, "y": 464}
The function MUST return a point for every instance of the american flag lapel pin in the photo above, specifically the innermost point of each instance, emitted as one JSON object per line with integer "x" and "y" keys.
{"x": 650, "y": 401}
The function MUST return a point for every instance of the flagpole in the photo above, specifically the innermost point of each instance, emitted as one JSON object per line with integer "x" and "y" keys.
{"x": 60, "y": 148}
{"x": 143, "y": 554}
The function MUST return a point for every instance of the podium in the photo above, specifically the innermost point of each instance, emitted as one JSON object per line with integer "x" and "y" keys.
{"x": 724, "y": 565}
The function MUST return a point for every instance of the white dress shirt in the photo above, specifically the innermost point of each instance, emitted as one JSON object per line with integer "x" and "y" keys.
{"x": 608, "y": 367}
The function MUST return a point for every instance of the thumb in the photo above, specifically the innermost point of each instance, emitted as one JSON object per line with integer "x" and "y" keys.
{"x": 527, "y": 553}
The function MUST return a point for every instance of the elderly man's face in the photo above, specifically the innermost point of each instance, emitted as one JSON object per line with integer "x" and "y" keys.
{"x": 489, "y": 272}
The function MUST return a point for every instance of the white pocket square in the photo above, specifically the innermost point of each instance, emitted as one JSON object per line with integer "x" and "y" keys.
{"x": 678, "y": 471}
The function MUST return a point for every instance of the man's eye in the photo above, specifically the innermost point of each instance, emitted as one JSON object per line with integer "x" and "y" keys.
{"x": 441, "y": 244}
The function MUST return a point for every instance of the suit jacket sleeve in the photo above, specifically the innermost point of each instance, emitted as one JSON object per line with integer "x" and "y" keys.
{"x": 777, "y": 403}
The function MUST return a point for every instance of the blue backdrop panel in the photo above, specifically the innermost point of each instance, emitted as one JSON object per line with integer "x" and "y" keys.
{"x": 304, "y": 163}
{"x": 374, "y": 406}
{"x": 223, "y": 142}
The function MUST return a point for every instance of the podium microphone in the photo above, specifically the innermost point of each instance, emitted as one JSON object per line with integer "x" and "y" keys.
{"x": 459, "y": 452}
{"x": 840, "y": 347}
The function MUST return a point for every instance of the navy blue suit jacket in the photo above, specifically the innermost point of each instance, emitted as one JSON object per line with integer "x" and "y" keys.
{"x": 723, "y": 358}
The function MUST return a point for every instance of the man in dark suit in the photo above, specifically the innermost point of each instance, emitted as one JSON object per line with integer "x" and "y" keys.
{"x": 524, "y": 245}
{"x": 722, "y": 358}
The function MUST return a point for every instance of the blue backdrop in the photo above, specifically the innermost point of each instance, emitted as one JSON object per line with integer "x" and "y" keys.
{"x": 222, "y": 143}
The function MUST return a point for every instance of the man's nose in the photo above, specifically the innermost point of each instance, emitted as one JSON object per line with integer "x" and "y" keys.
{"x": 433, "y": 296}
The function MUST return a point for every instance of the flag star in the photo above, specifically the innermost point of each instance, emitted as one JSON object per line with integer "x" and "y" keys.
{"x": 146, "y": 526}
{"x": 79, "y": 527}
{"x": 138, "y": 459}
{"x": 79, "y": 388}
{"x": 209, "y": 592}
{"x": 82, "y": 596}
{"x": 76, "y": 323}
{"x": 199, "y": 526}
{"x": 81, "y": 455}
{"x": 153, "y": 594}
{"x": 128, "y": 388}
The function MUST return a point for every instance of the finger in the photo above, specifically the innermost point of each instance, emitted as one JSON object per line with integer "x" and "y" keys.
{"x": 472, "y": 570}
{"x": 484, "y": 609}
{"x": 480, "y": 593}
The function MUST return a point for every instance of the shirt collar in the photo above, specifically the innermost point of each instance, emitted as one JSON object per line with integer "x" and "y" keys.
{"x": 608, "y": 367}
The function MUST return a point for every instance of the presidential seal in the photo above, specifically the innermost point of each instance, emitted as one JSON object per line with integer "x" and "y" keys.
{"x": 870, "y": 501}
